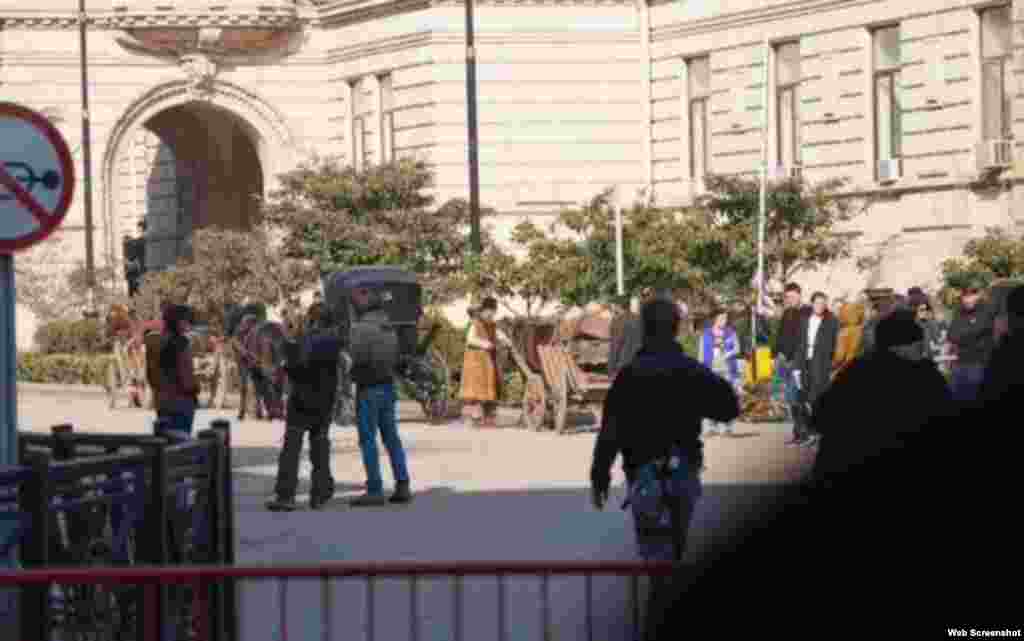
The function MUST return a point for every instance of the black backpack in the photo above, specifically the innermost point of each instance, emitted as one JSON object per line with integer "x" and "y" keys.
{"x": 375, "y": 349}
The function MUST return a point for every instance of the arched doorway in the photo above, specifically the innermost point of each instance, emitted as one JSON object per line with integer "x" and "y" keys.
{"x": 188, "y": 166}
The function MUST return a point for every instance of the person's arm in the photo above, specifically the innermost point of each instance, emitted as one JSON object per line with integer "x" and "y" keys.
{"x": 187, "y": 373}
{"x": 716, "y": 397}
{"x": 608, "y": 446}
{"x": 476, "y": 341}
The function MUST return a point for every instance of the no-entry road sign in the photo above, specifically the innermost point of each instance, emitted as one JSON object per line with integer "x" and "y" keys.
{"x": 37, "y": 178}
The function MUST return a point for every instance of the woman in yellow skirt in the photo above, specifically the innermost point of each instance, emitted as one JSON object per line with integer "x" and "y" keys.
{"x": 481, "y": 378}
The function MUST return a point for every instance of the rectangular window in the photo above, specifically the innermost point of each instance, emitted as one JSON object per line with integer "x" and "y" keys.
{"x": 386, "y": 124}
{"x": 699, "y": 77}
{"x": 888, "y": 114}
{"x": 995, "y": 65}
{"x": 787, "y": 73}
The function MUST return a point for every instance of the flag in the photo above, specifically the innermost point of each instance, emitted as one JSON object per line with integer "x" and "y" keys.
{"x": 765, "y": 304}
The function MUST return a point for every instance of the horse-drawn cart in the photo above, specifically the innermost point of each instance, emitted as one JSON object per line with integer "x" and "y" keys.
{"x": 562, "y": 361}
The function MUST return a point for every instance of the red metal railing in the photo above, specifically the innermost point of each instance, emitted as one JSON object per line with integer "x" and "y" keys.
{"x": 201, "y": 577}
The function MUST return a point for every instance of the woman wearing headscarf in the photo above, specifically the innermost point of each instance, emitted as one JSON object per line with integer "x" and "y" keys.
{"x": 177, "y": 391}
{"x": 719, "y": 351}
{"x": 481, "y": 377}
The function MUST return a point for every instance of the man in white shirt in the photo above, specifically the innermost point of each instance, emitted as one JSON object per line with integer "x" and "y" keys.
{"x": 814, "y": 363}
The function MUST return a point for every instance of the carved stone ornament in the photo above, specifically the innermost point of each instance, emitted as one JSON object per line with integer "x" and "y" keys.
{"x": 201, "y": 71}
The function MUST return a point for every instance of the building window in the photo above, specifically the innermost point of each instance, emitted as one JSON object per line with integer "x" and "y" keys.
{"x": 787, "y": 73}
{"x": 887, "y": 105}
{"x": 995, "y": 59}
{"x": 386, "y": 124}
{"x": 699, "y": 79}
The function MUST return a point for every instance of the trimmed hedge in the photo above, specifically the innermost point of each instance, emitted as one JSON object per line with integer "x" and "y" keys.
{"x": 64, "y": 369}
{"x": 86, "y": 336}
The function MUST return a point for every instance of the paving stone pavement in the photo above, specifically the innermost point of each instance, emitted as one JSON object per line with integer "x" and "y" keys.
{"x": 501, "y": 494}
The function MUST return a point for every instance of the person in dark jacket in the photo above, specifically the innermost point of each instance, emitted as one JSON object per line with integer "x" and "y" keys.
{"x": 177, "y": 390}
{"x": 819, "y": 334}
{"x": 785, "y": 348}
{"x": 972, "y": 336}
{"x": 1003, "y": 382}
{"x": 646, "y": 422}
{"x": 643, "y": 416}
{"x": 312, "y": 370}
{"x": 880, "y": 401}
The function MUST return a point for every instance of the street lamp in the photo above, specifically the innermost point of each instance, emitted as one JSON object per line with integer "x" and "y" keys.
{"x": 90, "y": 259}
{"x": 474, "y": 158}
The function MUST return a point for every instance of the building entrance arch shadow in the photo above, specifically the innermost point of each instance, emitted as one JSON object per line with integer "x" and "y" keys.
{"x": 176, "y": 162}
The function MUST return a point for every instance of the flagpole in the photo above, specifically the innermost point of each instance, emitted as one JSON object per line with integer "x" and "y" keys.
{"x": 762, "y": 214}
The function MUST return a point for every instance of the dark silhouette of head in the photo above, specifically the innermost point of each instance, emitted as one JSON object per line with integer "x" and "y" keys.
{"x": 661, "y": 320}
{"x": 898, "y": 328}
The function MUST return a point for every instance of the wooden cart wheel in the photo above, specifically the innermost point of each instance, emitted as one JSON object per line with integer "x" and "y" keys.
{"x": 535, "y": 403}
{"x": 561, "y": 400}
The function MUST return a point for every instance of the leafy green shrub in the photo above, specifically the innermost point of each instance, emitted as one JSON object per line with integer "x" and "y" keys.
{"x": 690, "y": 342}
{"x": 86, "y": 336}
{"x": 65, "y": 369}
{"x": 449, "y": 339}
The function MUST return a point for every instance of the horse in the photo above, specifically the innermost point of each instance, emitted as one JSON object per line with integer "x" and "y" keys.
{"x": 259, "y": 354}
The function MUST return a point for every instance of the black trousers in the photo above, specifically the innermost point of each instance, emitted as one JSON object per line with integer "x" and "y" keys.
{"x": 319, "y": 457}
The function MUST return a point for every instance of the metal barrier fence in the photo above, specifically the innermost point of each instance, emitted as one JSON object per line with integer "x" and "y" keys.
{"x": 204, "y": 579}
{"x": 102, "y": 500}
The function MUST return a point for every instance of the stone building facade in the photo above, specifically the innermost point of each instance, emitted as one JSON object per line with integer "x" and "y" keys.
{"x": 198, "y": 104}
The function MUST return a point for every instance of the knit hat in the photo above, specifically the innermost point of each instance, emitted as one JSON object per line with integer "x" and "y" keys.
{"x": 898, "y": 328}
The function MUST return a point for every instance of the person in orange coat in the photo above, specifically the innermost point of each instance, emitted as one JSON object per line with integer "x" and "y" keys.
{"x": 481, "y": 378}
{"x": 851, "y": 336}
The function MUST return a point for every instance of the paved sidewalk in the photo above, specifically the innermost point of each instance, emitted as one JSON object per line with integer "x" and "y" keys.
{"x": 503, "y": 494}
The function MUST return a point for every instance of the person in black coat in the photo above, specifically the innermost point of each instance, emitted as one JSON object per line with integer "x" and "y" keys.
{"x": 972, "y": 334}
{"x": 819, "y": 333}
{"x": 787, "y": 344}
{"x": 879, "y": 402}
{"x": 312, "y": 369}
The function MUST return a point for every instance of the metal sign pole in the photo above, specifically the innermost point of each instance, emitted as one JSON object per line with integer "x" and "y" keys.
{"x": 8, "y": 364}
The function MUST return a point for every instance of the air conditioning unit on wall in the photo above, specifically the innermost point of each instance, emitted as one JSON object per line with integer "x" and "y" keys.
{"x": 781, "y": 172}
{"x": 994, "y": 155}
{"x": 889, "y": 170}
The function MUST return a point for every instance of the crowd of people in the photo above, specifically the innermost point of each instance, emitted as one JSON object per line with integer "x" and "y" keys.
{"x": 888, "y": 501}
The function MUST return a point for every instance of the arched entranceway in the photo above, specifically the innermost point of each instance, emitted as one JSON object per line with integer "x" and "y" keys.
{"x": 190, "y": 166}
{"x": 180, "y": 159}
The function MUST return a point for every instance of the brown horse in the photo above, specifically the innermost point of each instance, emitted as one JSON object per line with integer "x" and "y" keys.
{"x": 259, "y": 351}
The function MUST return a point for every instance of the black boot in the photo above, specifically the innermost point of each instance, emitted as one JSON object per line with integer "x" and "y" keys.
{"x": 402, "y": 493}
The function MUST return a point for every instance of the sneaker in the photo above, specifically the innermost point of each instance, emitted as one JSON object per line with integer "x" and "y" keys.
{"x": 402, "y": 493}
{"x": 278, "y": 504}
{"x": 370, "y": 500}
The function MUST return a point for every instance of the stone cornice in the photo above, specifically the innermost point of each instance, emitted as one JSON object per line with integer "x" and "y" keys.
{"x": 724, "y": 22}
{"x": 269, "y": 16}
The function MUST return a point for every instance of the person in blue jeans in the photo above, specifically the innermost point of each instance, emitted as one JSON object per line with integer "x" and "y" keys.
{"x": 375, "y": 353}
{"x": 177, "y": 391}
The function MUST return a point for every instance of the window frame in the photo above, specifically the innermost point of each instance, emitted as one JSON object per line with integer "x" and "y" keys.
{"x": 1005, "y": 125}
{"x": 700, "y": 99}
{"x": 790, "y": 90}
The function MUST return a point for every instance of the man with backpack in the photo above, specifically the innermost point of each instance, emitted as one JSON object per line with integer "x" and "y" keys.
{"x": 653, "y": 416}
{"x": 375, "y": 357}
